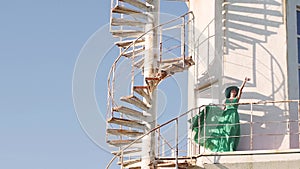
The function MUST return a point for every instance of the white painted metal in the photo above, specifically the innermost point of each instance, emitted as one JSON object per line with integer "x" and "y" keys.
{"x": 142, "y": 47}
{"x": 150, "y": 70}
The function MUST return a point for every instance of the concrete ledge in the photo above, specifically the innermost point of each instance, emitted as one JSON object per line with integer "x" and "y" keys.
{"x": 287, "y": 159}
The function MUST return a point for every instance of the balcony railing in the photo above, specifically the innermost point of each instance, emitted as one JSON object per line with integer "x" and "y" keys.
{"x": 260, "y": 122}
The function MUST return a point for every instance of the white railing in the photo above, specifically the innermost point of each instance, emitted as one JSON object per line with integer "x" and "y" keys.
{"x": 165, "y": 48}
{"x": 182, "y": 146}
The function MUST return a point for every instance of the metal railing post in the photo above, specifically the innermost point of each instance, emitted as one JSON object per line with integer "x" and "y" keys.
{"x": 251, "y": 127}
{"x": 190, "y": 141}
{"x": 199, "y": 131}
{"x": 163, "y": 149}
{"x": 183, "y": 40}
{"x": 204, "y": 129}
{"x": 160, "y": 47}
{"x": 122, "y": 160}
{"x": 158, "y": 142}
{"x": 176, "y": 149}
{"x": 132, "y": 69}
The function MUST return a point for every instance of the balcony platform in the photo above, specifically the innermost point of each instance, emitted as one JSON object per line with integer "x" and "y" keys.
{"x": 287, "y": 159}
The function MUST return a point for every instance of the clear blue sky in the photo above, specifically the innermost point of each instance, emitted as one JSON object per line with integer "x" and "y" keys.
{"x": 39, "y": 45}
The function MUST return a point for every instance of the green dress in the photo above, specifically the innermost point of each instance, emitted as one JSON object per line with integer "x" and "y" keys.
{"x": 222, "y": 128}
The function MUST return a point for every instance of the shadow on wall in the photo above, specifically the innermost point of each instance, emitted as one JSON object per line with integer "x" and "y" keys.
{"x": 269, "y": 127}
{"x": 250, "y": 21}
{"x": 247, "y": 26}
{"x": 269, "y": 121}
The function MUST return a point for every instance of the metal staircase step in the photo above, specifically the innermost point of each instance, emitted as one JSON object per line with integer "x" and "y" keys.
{"x": 172, "y": 163}
{"x": 121, "y": 143}
{"x": 135, "y": 101}
{"x": 126, "y": 22}
{"x": 152, "y": 79}
{"x": 134, "y": 53}
{"x": 152, "y": 82}
{"x": 171, "y": 61}
{"x": 130, "y": 163}
{"x": 127, "y": 122}
{"x": 119, "y": 132}
{"x": 189, "y": 61}
{"x": 125, "y": 44}
{"x": 167, "y": 63}
{"x": 136, "y": 3}
{"x": 127, "y": 11}
{"x": 129, "y": 111}
{"x": 126, "y": 33}
{"x": 129, "y": 152}
{"x": 143, "y": 91}
{"x": 174, "y": 68}
{"x": 171, "y": 66}
{"x": 139, "y": 63}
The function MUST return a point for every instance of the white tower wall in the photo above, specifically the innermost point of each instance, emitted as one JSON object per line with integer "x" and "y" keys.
{"x": 238, "y": 39}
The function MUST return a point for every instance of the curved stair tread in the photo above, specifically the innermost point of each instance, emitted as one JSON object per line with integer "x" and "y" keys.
{"x": 127, "y": 122}
{"x": 181, "y": 164}
{"x": 134, "y": 53}
{"x": 152, "y": 82}
{"x": 128, "y": 163}
{"x": 129, "y": 133}
{"x": 188, "y": 61}
{"x": 139, "y": 4}
{"x": 174, "y": 68}
{"x": 173, "y": 60}
{"x": 143, "y": 91}
{"x": 126, "y": 22}
{"x": 128, "y": 11}
{"x": 124, "y": 44}
{"x": 129, "y": 152}
{"x": 121, "y": 143}
{"x": 135, "y": 101}
{"x": 126, "y": 33}
{"x": 129, "y": 111}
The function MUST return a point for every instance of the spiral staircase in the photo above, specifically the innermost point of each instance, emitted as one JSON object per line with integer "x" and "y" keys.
{"x": 130, "y": 21}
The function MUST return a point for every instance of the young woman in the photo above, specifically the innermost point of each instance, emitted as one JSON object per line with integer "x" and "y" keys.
{"x": 222, "y": 129}
{"x": 231, "y": 119}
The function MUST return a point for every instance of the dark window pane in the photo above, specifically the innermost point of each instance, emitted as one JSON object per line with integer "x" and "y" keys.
{"x": 299, "y": 50}
{"x": 298, "y": 22}
{"x": 299, "y": 82}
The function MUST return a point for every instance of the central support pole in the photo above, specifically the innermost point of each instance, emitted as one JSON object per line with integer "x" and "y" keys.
{"x": 150, "y": 70}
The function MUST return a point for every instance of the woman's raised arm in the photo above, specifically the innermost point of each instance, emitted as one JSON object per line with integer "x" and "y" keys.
{"x": 242, "y": 87}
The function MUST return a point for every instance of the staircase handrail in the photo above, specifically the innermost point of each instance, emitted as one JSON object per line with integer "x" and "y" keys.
{"x": 113, "y": 68}
{"x": 189, "y": 111}
{"x": 152, "y": 130}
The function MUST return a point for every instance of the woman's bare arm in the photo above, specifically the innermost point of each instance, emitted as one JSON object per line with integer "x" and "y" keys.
{"x": 241, "y": 88}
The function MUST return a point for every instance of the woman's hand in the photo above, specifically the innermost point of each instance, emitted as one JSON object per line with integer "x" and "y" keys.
{"x": 241, "y": 88}
{"x": 247, "y": 79}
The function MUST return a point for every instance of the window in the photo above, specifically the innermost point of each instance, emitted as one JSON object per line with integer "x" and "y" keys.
{"x": 298, "y": 42}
